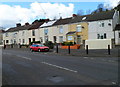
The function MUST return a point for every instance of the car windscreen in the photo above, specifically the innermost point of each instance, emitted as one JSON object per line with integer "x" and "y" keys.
{"x": 41, "y": 45}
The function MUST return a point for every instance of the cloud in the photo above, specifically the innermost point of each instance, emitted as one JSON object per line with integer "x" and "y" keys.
{"x": 10, "y": 15}
{"x": 111, "y": 3}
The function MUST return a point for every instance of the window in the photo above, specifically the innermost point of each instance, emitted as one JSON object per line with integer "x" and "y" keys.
{"x": 19, "y": 40}
{"x": 105, "y": 36}
{"x": 61, "y": 29}
{"x": 101, "y": 24}
{"x": 46, "y": 31}
{"x": 60, "y": 39}
{"x": 11, "y": 41}
{"x": 23, "y": 41}
{"x": 119, "y": 35}
{"x": 33, "y": 32}
{"x": 6, "y": 34}
{"x": 70, "y": 37}
{"x": 101, "y": 36}
{"x": 23, "y": 33}
{"x": 79, "y": 28}
{"x": 7, "y": 41}
{"x": 46, "y": 38}
{"x": 98, "y": 36}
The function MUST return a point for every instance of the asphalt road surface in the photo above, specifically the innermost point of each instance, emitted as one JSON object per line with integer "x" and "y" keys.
{"x": 34, "y": 68}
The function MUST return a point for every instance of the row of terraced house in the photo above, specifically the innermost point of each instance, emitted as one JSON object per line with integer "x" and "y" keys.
{"x": 78, "y": 29}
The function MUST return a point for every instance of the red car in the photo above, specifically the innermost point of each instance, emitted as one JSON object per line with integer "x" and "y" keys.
{"x": 38, "y": 47}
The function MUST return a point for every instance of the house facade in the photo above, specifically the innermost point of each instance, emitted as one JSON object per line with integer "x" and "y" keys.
{"x": 103, "y": 27}
{"x": 52, "y": 31}
{"x": 1, "y": 36}
{"x": 76, "y": 29}
{"x": 117, "y": 34}
{"x": 78, "y": 32}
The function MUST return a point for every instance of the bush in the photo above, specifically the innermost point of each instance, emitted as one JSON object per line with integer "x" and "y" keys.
{"x": 23, "y": 45}
{"x": 67, "y": 43}
{"x": 49, "y": 44}
{"x": 36, "y": 42}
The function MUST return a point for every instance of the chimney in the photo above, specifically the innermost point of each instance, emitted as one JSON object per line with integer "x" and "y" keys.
{"x": 18, "y": 24}
{"x": 74, "y": 15}
{"x": 26, "y": 23}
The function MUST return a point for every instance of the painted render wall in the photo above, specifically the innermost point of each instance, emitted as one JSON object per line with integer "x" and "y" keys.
{"x": 94, "y": 29}
{"x": 54, "y": 31}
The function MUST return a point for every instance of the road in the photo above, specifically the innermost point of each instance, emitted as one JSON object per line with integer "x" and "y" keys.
{"x": 34, "y": 68}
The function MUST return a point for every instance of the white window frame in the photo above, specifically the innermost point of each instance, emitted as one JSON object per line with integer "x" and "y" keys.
{"x": 61, "y": 29}
{"x": 79, "y": 28}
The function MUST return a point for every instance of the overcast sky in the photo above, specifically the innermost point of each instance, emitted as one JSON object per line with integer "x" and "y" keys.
{"x": 15, "y": 12}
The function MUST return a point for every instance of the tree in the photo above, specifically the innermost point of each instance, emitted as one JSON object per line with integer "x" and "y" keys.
{"x": 88, "y": 11}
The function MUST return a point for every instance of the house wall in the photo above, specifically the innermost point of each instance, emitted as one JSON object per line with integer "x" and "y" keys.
{"x": 94, "y": 29}
{"x": 84, "y": 31}
{"x": 117, "y": 40}
{"x": 98, "y": 43}
{"x": 1, "y": 37}
{"x": 23, "y": 34}
{"x": 12, "y": 36}
{"x": 54, "y": 31}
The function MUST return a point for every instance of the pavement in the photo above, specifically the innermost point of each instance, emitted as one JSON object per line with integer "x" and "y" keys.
{"x": 22, "y": 67}
{"x": 80, "y": 52}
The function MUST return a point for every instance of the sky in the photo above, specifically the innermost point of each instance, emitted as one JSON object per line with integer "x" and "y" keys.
{"x": 12, "y": 12}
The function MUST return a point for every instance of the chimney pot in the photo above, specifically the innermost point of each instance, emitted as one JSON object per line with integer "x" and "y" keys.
{"x": 18, "y": 24}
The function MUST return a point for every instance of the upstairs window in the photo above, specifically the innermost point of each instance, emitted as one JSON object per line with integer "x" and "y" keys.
{"x": 6, "y": 34}
{"x": 46, "y": 31}
{"x": 33, "y": 32}
{"x": 101, "y": 24}
{"x": 61, "y": 29}
{"x": 79, "y": 28}
{"x": 23, "y": 33}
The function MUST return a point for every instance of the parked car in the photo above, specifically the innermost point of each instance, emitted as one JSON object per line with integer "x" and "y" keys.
{"x": 39, "y": 47}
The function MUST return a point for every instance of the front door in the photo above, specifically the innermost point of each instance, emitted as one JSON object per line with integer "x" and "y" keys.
{"x": 78, "y": 39}
{"x": 29, "y": 40}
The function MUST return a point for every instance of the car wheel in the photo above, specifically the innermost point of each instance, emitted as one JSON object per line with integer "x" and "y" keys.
{"x": 39, "y": 50}
{"x": 31, "y": 50}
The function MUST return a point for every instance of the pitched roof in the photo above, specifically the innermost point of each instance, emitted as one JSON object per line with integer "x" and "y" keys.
{"x": 35, "y": 25}
{"x": 86, "y": 18}
{"x": 63, "y": 21}
{"x": 19, "y": 28}
{"x": 100, "y": 16}
{"x": 117, "y": 27}
{"x": 2, "y": 31}
{"x": 25, "y": 27}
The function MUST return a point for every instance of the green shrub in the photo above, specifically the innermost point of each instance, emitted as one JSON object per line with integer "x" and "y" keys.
{"x": 67, "y": 43}
{"x": 49, "y": 44}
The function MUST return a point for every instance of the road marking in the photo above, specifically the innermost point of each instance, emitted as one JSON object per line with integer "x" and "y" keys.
{"x": 59, "y": 67}
{"x": 85, "y": 57}
{"x": 24, "y": 57}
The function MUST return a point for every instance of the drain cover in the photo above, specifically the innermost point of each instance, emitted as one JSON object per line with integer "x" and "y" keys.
{"x": 56, "y": 79}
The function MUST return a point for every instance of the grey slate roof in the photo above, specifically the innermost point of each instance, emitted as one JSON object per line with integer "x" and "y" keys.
{"x": 18, "y": 28}
{"x": 86, "y": 18}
